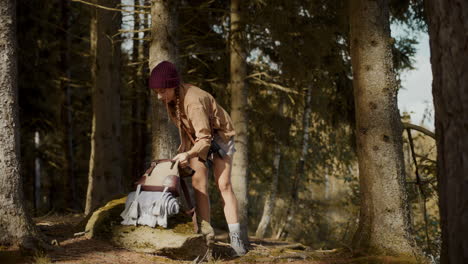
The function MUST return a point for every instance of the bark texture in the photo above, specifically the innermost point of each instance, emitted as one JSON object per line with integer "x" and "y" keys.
{"x": 15, "y": 225}
{"x": 68, "y": 179}
{"x": 448, "y": 27}
{"x": 384, "y": 223}
{"x": 163, "y": 47}
{"x": 271, "y": 196}
{"x": 239, "y": 112}
{"x": 105, "y": 175}
{"x": 140, "y": 99}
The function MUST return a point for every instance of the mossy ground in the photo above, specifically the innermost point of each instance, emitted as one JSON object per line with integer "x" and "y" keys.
{"x": 80, "y": 250}
{"x": 101, "y": 223}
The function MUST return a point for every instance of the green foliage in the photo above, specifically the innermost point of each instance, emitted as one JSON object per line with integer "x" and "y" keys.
{"x": 409, "y": 12}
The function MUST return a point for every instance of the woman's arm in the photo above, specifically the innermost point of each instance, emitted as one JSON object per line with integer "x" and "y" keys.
{"x": 199, "y": 118}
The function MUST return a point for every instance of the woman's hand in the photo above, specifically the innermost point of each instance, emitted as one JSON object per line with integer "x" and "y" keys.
{"x": 182, "y": 158}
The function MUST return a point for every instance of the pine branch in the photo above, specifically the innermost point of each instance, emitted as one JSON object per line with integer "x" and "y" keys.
{"x": 272, "y": 85}
{"x": 123, "y": 31}
{"x": 110, "y": 8}
{"x": 139, "y": 6}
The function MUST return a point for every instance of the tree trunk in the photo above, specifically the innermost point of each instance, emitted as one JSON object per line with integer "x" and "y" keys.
{"x": 140, "y": 100}
{"x": 68, "y": 179}
{"x": 15, "y": 225}
{"x": 104, "y": 164}
{"x": 290, "y": 213}
{"x": 38, "y": 205}
{"x": 271, "y": 196}
{"x": 163, "y": 47}
{"x": 239, "y": 112}
{"x": 384, "y": 223}
{"x": 448, "y": 24}
{"x": 270, "y": 199}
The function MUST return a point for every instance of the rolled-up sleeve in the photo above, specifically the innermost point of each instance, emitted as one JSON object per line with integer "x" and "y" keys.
{"x": 199, "y": 118}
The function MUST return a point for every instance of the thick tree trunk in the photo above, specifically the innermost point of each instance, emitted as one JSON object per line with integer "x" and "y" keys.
{"x": 104, "y": 165}
{"x": 384, "y": 223}
{"x": 163, "y": 47}
{"x": 271, "y": 196}
{"x": 239, "y": 112}
{"x": 300, "y": 172}
{"x": 15, "y": 225}
{"x": 448, "y": 27}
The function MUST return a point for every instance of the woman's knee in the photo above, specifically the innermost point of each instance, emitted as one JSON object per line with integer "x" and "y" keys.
{"x": 224, "y": 186}
{"x": 200, "y": 182}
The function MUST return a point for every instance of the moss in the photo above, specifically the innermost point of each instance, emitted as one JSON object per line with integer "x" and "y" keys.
{"x": 100, "y": 224}
{"x": 248, "y": 259}
{"x": 102, "y": 220}
{"x": 385, "y": 259}
{"x": 375, "y": 255}
{"x": 184, "y": 228}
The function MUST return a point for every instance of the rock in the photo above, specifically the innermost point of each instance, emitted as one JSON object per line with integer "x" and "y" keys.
{"x": 101, "y": 221}
{"x": 178, "y": 241}
{"x": 165, "y": 242}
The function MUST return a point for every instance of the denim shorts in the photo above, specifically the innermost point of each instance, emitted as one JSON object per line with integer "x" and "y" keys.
{"x": 229, "y": 147}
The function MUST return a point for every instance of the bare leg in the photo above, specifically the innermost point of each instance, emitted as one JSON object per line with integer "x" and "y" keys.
{"x": 222, "y": 174}
{"x": 200, "y": 187}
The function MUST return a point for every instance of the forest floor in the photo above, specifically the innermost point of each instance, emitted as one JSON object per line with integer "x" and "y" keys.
{"x": 71, "y": 249}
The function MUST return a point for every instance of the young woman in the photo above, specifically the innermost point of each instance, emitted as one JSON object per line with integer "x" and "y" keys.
{"x": 200, "y": 121}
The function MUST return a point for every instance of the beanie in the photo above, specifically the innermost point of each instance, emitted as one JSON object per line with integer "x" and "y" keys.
{"x": 164, "y": 76}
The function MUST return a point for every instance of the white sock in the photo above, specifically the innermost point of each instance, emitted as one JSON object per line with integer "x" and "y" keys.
{"x": 234, "y": 227}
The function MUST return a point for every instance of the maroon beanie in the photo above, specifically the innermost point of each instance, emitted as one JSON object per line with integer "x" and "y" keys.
{"x": 164, "y": 76}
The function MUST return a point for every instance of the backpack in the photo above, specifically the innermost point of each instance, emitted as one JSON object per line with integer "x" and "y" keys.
{"x": 163, "y": 176}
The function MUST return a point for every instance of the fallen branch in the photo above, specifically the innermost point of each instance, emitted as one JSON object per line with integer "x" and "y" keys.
{"x": 419, "y": 128}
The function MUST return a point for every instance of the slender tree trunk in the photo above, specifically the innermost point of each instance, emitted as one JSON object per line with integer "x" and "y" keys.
{"x": 448, "y": 27}
{"x": 140, "y": 99}
{"x": 38, "y": 205}
{"x": 135, "y": 120}
{"x": 105, "y": 175}
{"x": 68, "y": 180}
{"x": 15, "y": 225}
{"x": 384, "y": 223}
{"x": 271, "y": 196}
{"x": 239, "y": 116}
{"x": 291, "y": 211}
{"x": 270, "y": 199}
{"x": 163, "y": 47}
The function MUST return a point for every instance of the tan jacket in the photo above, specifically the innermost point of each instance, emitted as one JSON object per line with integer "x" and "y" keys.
{"x": 202, "y": 117}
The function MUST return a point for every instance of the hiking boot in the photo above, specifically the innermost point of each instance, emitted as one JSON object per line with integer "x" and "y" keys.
{"x": 237, "y": 244}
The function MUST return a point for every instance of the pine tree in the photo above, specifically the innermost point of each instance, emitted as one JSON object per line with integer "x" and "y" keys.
{"x": 448, "y": 24}
{"x": 163, "y": 47}
{"x": 239, "y": 107}
{"x": 105, "y": 174}
{"x": 384, "y": 224}
{"x": 15, "y": 225}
